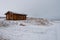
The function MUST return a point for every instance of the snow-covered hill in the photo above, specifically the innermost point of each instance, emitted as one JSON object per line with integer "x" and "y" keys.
{"x": 26, "y": 30}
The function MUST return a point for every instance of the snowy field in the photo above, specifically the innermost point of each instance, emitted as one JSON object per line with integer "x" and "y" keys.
{"x": 28, "y": 30}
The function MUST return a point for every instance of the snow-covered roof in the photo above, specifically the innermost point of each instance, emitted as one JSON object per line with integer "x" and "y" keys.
{"x": 14, "y": 13}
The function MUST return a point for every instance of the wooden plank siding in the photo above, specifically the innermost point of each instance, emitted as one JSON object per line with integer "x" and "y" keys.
{"x": 13, "y": 16}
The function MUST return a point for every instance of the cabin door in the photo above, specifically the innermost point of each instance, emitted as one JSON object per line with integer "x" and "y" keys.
{"x": 11, "y": 16}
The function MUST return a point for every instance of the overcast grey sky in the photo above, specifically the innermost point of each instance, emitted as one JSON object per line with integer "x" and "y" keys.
{"x": 34, "y": 8}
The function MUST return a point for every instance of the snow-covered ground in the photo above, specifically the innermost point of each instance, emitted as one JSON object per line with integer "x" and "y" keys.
{"x": 22, "y": 30}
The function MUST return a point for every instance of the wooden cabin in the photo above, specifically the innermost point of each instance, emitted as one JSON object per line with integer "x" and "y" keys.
{"x": 15, "y": 16}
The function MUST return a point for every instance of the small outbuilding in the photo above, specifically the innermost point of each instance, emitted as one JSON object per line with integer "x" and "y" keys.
{"x": 15, "y": 16}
